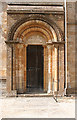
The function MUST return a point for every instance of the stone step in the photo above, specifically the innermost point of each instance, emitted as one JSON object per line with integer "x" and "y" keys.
{"x": 34, "y": 95}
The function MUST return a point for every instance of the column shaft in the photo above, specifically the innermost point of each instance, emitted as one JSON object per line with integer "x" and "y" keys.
{"x": 9, "y": 68}
{"x": 14, "y": 67}
{"x": 49, "y": 68}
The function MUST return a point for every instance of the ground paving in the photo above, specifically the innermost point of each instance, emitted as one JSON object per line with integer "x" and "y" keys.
{"x": 36, "y": 107}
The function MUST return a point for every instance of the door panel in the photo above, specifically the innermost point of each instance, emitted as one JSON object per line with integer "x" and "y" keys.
{"x": 34, "y": 68}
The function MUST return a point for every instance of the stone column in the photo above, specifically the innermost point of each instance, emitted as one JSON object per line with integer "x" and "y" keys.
{"x": 56, "y": 79}
{"x": 49, "y": 66}
{"x": 21, "y": 68}
{"x": 9, "y": 68}
{"x": 58, "y": 68}
{"x": 17, "y": 66}
{"x": 14, "y": 67}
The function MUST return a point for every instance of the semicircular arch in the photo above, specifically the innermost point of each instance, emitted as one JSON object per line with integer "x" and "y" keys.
{"x": 42, "y": 22}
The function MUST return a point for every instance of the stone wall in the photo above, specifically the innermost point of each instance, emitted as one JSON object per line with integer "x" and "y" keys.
{"x": 7, "y": 21}
{"x": 71, "y": 34}
{"x": 3, "y": 51}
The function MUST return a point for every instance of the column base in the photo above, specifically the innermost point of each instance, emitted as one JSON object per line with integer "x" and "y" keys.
{"x": 50, "y": 92}
{"x": 13, "y": 93}
{"x": 71, "y": 91}
{"x": 59, "y": 93}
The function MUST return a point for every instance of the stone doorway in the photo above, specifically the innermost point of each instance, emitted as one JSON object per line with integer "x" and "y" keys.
{"x": 36, "y": 33}
{"x": 34, "y": 69}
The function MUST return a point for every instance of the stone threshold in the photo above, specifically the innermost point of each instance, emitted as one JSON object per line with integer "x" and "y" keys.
{"x": 35, "y": 95}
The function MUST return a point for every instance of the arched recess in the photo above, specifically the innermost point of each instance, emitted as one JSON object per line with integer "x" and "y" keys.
{"x": 21, "y": 34}
{"x": 43, "y": 18}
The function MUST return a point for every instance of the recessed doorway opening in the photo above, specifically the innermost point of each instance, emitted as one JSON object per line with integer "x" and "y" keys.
{"x": 35, "y": 61}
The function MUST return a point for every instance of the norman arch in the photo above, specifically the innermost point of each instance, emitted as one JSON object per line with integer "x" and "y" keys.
{"x": 42, "y": 18}
{"x": 35, "y": 30}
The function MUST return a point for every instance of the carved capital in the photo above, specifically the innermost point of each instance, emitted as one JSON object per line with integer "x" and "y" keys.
{"x": 50, "y": 46}
{"x": 56, "y": 45}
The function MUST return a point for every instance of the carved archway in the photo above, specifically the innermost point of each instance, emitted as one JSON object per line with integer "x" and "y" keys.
{"x": 21, "y": 35}
{"x": 43, "y": 18}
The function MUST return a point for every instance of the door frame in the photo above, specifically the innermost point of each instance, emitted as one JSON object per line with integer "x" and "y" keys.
{"x": 45, "y": 82}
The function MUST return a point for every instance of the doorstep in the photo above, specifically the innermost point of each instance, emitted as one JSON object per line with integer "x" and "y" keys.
{"x": 35, "y": 95}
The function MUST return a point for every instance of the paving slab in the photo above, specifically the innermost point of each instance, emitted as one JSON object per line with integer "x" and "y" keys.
{"x": 36, "y": 107}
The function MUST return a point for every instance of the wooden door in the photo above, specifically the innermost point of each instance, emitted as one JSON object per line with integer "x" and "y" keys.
{"x": 34, "y": 68}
